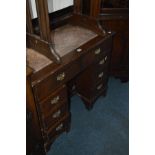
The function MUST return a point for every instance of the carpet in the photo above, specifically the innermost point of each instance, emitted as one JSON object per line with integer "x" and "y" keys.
{"x": 102, "y": 131}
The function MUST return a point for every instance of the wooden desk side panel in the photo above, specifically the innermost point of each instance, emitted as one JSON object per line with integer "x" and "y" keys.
{"x": 34, "y": 142}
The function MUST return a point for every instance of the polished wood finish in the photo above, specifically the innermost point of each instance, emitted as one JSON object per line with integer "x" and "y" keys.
{"x": 45, "y": 37}
{"x": 42, "y": 12}
{"x": 48, "y": 89}
{"x": 95, "y": 8}
{"x": 43, "y": 47}
{"x": 50, "y": 84}
{"x": 95, "y": 77}
{"x": 78, "y": 6}
{"x": 34, "y": 141}
{"x": 28, "y": 18}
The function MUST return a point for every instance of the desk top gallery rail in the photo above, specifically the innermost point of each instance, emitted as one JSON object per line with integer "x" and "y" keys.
{"x": 43, "y": 43}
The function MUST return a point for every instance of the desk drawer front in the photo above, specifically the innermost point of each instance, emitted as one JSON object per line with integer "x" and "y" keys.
{"x": 54, "y": 100}
{"x": 55, "y": 116}
{"x": 99, "y": 87}
{"x": 103, "y": 62}
{"x": 59, "y": 127}
{"x": 100, "y": 76}
{"x": 96, "y": 53}
{"x": 46, "y": 87}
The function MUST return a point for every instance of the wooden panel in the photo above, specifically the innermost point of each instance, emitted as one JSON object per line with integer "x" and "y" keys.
{"x": 77, "y": 6}
{"x": 56, "y": 99}
{"x": 28, "y": 18}
{"x": 44, "y": 25}
{"x": 34, "y": 141}
{"x": 120, "y": 53}
{"x": 95, "y": 8}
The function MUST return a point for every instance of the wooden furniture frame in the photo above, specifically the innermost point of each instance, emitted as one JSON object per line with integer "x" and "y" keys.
{"x": 116, "y": 19}
{"x": 87, "y": 69}
{"x": 44, "y": 43}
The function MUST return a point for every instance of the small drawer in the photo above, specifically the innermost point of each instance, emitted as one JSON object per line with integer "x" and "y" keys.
{"x": 54, "y": 100}
{"x": 59, "y": 127}
{"x": 100, "y": 87}
{"x": 101, "y": 75}
{"x": 103, "y": 61}
{"x": 96, "y": 53}
{"x": 55, "y": 116}
{"x": 47, "y": 86}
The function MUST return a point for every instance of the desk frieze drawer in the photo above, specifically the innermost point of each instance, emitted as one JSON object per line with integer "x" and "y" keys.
{"x": 57, "y": 98}
{"x": 53, "y": 81}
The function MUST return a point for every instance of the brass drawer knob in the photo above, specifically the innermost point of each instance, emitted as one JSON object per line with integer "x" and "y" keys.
{"x": 102, "y": 62}
{"x": 57, "y": 114}
{"x": 59, "y": 127}
{"x": 98, "y": 51}
{"x": 100, "y": 75}
{"x": 55, "y": 100}
{"x": 61, "y": 77}
{"x": 99, "y": 87}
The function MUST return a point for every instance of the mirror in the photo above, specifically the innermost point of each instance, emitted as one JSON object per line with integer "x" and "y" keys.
{"x": 53, "y": 5}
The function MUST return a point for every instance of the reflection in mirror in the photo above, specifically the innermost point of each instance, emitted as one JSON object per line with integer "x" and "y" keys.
{"x": 59, "y": 4}
{"x": 33, "y": 9}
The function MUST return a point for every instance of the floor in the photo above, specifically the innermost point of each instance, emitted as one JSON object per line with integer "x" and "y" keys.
{"x": 102, "y": 131}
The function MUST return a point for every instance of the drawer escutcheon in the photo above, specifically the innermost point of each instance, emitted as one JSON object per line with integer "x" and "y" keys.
{"x": 98, "y": 51}
{"x": 100, "y": 75}
{"x": 59, "y": 127}
{"x": 102, "y": 62}
{"x": 106, "y": 58}
{"x": 61, "y": 77}
{"x": 55, "y": 100}
{"x": 57, "y": 114}
{"x": 99, "y": 87}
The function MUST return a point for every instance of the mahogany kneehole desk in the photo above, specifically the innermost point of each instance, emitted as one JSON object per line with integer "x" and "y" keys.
{"x": 84, "y": 70}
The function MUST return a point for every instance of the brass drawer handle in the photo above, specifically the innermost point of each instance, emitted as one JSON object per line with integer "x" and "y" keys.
{"x": 98, "y": 51}
{"x": 59, "y": 127}
{"x": 106, "y": 58}
{"x": 100, "y": 75}
{"x": 99, "y": 87}
{"x": 102, "y": 62}
{"x": 61, "y": 77}
{"x": 55, "y": 100}
{"x": 57, "y": 114}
